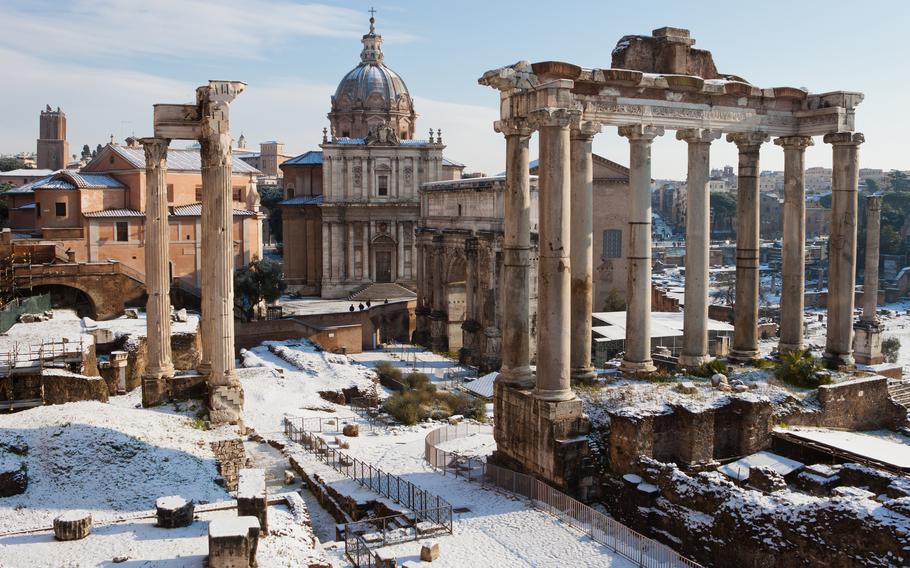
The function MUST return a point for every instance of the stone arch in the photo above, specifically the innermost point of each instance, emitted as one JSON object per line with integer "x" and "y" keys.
{"x": 69, "y": 296}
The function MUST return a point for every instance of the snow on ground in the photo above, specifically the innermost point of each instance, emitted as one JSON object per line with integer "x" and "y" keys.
{"x": 108, "y": 459}
{"x": 411, "y": 358}
{"x": 496, "y": 526}
{"x": 315, "y": 306}
{"x": 275, "y": 387}
{"x": 474, "y": 444}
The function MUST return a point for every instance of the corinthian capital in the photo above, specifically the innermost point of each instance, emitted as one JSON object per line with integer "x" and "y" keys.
{"x": 155, "y": 150}
{"x": 550, "y": 116}
{"x": 513, "y": 127}
{"x": 845, "y": 138}
{"x": 640, "y": 132}
{"x": 585, "y": 129}
{"x": 748, "y": 141}
{"x": 698, "y": 135}
{"x": 794, "y": 142}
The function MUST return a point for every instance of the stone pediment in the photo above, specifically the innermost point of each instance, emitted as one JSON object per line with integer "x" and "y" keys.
{"x": 382, "y": 135}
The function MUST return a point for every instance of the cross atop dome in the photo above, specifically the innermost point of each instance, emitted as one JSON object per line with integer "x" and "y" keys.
{"x": 372, "y": 43}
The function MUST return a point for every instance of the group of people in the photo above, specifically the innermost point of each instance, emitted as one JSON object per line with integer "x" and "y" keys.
{"x": 363, "y": 307}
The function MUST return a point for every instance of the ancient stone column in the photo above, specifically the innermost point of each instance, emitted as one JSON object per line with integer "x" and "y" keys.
{"x": 350, "y": 253}
{"x": 439, "y": 317}
{"x": 793, "y": 269}
{"x": 842, "y": 246}
{"x": 698, "y": 246}
{"x": 554, "y": 275}
{"x": 471, "y": 326}
{"x": 516, "y": 248}
{"x": 365, "y": 261}
{"x": 745, "y": 308}
{"x": 867, "y": 341}
{"x": 157, "y": 281}
{"x": 225, "y": 391}
{"x": 582, "y": 261}
{"x": 399, "y": 255}
{"x": 637, "y": 358}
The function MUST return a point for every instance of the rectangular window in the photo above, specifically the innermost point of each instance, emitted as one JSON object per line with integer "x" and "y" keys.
{"x": 383, "y": 185}
{"x": 170, "y": 193}
{"x": 60, "y": 209}
{"x": 198, "y": 194}
{"x": 237, "y": 193}
{"x": 123, "y": 231}
{"x": 612, "y": 243}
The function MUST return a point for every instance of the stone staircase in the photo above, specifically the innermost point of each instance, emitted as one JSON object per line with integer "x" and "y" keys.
{"x": 378, "y": 292}
{"x": 899, "y": 391}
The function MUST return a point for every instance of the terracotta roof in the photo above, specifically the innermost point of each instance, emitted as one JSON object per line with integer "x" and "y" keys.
{"x": 195, "y": 210}
{"x": 179, "y": 159}
{"x": 108, "y": 213}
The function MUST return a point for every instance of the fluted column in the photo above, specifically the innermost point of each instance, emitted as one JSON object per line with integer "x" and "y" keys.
{"x": 471, "y": 326}
{"x": 399, "y": 255}
{"x": 793, "y": 269}
{"x": 554, "y": 276}
{"x": 225, "y": 391}
{"x": 842, "y": 246}
{"x": 365, "y": 260}
{"x": 439, "y": 316}
{"x": 350, "y": 253}
{"x": 516, "y": 247}
{"x": 582, "y": 227}
{"x": 637, "y": 358}
{"x": 158, "y": 308}
{"x": 745, "y": 308}
{"x": 873, "y": 240}
{"x": 698, "y": 246}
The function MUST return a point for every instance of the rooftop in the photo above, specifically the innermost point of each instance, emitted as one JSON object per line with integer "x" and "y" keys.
{"x": 178, "y": 159}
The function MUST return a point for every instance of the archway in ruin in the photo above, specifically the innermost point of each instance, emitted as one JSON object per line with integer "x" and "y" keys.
{"x": 70, "y": 298}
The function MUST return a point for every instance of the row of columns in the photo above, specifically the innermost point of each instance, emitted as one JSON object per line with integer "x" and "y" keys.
{"x": 225, "y": 391}
{"x": 340, "y": 250}
{"x": 565, "y": 265}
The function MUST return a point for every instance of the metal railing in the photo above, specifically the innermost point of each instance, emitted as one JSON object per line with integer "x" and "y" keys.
{"x": 42, "y": 354}
{"x": 470, "y": 467}
{"x": 428, "y": 508}
{"x": 361, "y": 537}
{"x": 642, "y": 550}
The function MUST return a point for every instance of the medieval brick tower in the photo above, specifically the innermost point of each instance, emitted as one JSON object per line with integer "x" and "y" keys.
{"x": 52, "y": 147}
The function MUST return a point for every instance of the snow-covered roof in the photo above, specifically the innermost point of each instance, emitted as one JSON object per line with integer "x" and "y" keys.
{"x": 195, "y": 210}
{"x": 482, "y": 386}
{"x": 26, "y": 172}
{"x": 663, "y": 324}
{"x": 741, "y": 467}
{"x": 113, "y": 213}
{"x": 179, "y": 159}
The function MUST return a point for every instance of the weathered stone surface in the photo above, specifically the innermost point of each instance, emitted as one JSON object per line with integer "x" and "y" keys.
{"x": 766, "y": 479}
{"x": 13, "y": 473}
{"x": 429, "y": 551}
{"x": 231, "y": 458}
{"x": 252, "y": 497}
{"x": 72, "y": 525}
{"x": 174, "y": 512}
{"x": 62, "y": 386}
{"x": 351, "y": 430}
{"x": 233, "y": 542}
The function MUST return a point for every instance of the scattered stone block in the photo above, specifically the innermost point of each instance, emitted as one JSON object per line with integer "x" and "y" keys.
{"x": 686, "y": 387}
{"x": 174, "y": 512}
{"x": 181, "y": 315}
{"x": 252, "y": 498}
{"x": 385, "y": 559}
{"x": 13, "y": 474}
{"x": 351, "y": 430}
{"x": 718, "y": 379}
{"x": 816, "y": 484}
{"x": 342, "y": 443}
{"x": 766, "y": 479}
{"x": 233, "y": 542}
{"x": 289, "y": 477}
{"x": 131, "y": 313}
{"x": 740, "y": 388}
{"x": 455, "y": 419}
{"x": 72, "y": 525}
{"x": 120, "y": 559}
{"x": 429, "y": 551}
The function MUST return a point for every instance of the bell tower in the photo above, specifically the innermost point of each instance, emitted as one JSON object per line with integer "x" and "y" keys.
{"x": 52, "y": 146}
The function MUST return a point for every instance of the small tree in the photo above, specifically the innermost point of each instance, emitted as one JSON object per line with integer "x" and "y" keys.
{"x": 801, "y": 369}
{"x": 891, "y": 347}
{"x": 9, "y": 164}
{"x": 260, "y": 280}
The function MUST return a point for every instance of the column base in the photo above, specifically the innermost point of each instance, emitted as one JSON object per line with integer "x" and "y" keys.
{"x": 867, "y": 342}
{"x": 790, "y": 347}
{"x": 743, "y": 356}
{"x": 519, "y": 377}
{"x": 584, "y": 375}
{"x": 154, "y": 386}
{"x": 554, "y": 395}
{"x": 838, "y": 360}
{"x": 204, "y": 369}
{"x": 693, "y": 361}
{"x": 226, "y": 404}
{"x": 637, "y": 367}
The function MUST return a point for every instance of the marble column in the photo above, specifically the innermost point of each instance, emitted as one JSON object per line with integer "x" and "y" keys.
{"x": 554, "y": 276}
{"x": 350, "y": 253}
{"x": 842, "y": 246}
{"x": 637, "y": 358}
{"x": 516, "y": 248}
{"x": 745, "y": 308}
{"x": 582, "y": 260}
{"x": 365, "y": 260}
{"x": 471, "y": 326}
{"x": 439, "y": 316}
{"x": 158, "y": 308}
{"x": 867, "y": 339}
{"x": 698, "y": 246}
{"x": 793, "y": 269}
{"x": 225, "y": 391}
{"x": 399, "y": 254}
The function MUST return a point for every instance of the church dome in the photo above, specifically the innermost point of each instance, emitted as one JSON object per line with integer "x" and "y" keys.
{"x": 372, "y": 95}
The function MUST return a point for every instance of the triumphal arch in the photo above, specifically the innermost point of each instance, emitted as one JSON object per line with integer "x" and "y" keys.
{"x": 655, "y": 83}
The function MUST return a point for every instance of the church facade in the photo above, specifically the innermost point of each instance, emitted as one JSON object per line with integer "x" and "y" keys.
{"x": 351, "y": 210}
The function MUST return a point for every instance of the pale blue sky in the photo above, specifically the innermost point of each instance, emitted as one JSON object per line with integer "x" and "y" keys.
{"x": 105, "y": 62}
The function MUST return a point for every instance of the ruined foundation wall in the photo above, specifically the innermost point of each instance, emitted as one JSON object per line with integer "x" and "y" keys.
{"x": 860, "y": 404}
